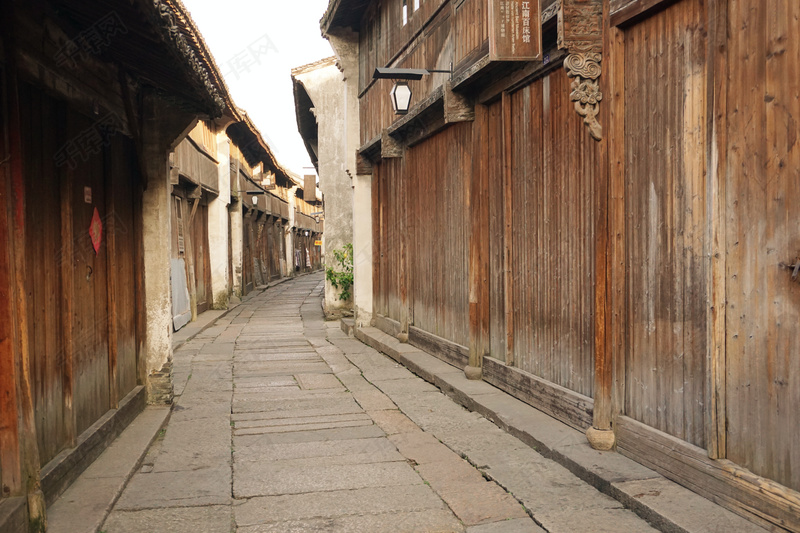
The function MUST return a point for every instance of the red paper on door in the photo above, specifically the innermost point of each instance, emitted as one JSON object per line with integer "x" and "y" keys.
{"x": 96, "y": 231}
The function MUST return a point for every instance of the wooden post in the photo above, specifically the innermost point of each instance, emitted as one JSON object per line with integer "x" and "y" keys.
{"x": 610, "y": 257}
{"x": 10, "y": 468}
{"x": 109, "y": 231}
{"x": 478, "y": 248}
{"x": 404, "y": 311}
{"x": 716, "y": 433}
{"x": 138, "y": 262}
{"x": 28, "y": 443}
{"x": 508, "y": 229}
{"x": 188, "y": 236}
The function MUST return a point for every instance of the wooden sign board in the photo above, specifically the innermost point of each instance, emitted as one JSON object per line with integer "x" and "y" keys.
{"x": 515, "y": 30}
{"x": 310, "y": 188}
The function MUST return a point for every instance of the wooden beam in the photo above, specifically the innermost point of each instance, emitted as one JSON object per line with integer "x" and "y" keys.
{"x": 363, "y": 165}
{"x": 391, "y": 148}
{"x": 457, "y": 107}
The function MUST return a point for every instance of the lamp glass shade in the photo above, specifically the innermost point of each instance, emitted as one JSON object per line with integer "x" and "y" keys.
{"x": 401, "y": 98}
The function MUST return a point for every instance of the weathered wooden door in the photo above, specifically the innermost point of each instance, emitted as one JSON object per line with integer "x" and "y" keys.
{"x": 45, "y": 252}
{"x": 760, "y": 184}
{"x": 664, "y": 356}
{"x": 201, "y": 256}
{"x": 90, "y": 321}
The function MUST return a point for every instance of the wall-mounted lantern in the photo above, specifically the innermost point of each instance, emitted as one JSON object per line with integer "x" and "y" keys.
{"x": 401, "y": 92}
{"x": 401, "y": 97}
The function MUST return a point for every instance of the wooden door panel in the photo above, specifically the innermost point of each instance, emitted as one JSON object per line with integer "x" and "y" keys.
{"x": 123, "y": 178}
{"x": 762, "y": 187}
{"x": 90, "y": 321}
{"x": 665, "y": 218}
{"x": 554, "y": 165}
{"x": 44, "y": 256}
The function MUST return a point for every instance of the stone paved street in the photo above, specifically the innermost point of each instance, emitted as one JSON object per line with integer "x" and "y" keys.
{"x": 283, "y": 423}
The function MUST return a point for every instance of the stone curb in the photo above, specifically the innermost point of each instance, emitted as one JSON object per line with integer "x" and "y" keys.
{"x": 632, "y": 484}
{"x": 87, "y": 502}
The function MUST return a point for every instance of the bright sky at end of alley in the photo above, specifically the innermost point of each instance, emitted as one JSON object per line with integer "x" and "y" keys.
{"x": 256, "y": 44}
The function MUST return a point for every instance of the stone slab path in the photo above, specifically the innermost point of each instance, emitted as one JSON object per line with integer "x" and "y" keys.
{"x": 283, "y": 423}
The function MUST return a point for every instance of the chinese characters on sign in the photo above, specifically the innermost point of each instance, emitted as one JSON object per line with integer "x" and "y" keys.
{"x": 514, "y": 30}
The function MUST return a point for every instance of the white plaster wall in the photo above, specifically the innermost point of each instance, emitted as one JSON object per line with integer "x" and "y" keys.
{"x": 157, "y": 237}
{"x": 218, "y": 222}
{"x": 326, "y": 88}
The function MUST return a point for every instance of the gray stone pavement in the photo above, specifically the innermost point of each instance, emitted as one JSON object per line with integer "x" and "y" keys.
{"x": 283, "y": 423}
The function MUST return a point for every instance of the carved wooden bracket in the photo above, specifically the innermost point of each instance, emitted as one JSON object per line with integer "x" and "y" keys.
{"x": 584, "y": 68}
{"x": 580, "y": 32}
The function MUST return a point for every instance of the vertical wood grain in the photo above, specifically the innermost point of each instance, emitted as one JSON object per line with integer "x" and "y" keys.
{"x": 665, "y": 207}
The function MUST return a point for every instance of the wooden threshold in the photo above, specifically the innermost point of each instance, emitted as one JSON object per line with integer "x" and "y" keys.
{"x": 14, "y": 515}
{"x": 64, "y": 468}
{"x": 575, "y": 410}
{"x": 758, "y": 499}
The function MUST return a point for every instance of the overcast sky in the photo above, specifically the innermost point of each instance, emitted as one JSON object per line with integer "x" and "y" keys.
{"x": 256, "y": 44}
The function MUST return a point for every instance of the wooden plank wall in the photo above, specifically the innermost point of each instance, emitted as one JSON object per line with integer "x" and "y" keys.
{"x": 471, "y": 30}
{"x": 204, "y": 135}
{"x": 438, "y": 173}
{"x": 388, "y": 178}
{"x": 9, "y": 428}
{"x": 432, "y": 49}
{"x": 202, "y": 256}
{"x": 665, "y": 217}
{"x": 385, "y": 35}
{"x": 554, "y": 165}
{"x": 762, "y": 200}
{"x": 123, "y": 159}
{"x": 77, "y": 305}
{"x": 497, "y": 224}
{"x": 43, "y": 255}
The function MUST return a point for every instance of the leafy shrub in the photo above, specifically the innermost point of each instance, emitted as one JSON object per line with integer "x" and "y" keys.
{"x": 342, "y": 279}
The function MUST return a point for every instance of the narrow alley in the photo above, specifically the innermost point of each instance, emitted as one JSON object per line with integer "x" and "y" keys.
{"x": 284, "y": 423}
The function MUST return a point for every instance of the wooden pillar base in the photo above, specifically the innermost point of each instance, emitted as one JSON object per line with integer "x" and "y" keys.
{"x": 37, "y": 513}
{"x": 601, "y": 439}
{"x": 474, "y": 373}
{"x": 402, "y": 337}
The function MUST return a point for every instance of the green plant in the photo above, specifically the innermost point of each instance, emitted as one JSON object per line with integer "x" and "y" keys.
{"x": 342, "y": 279}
